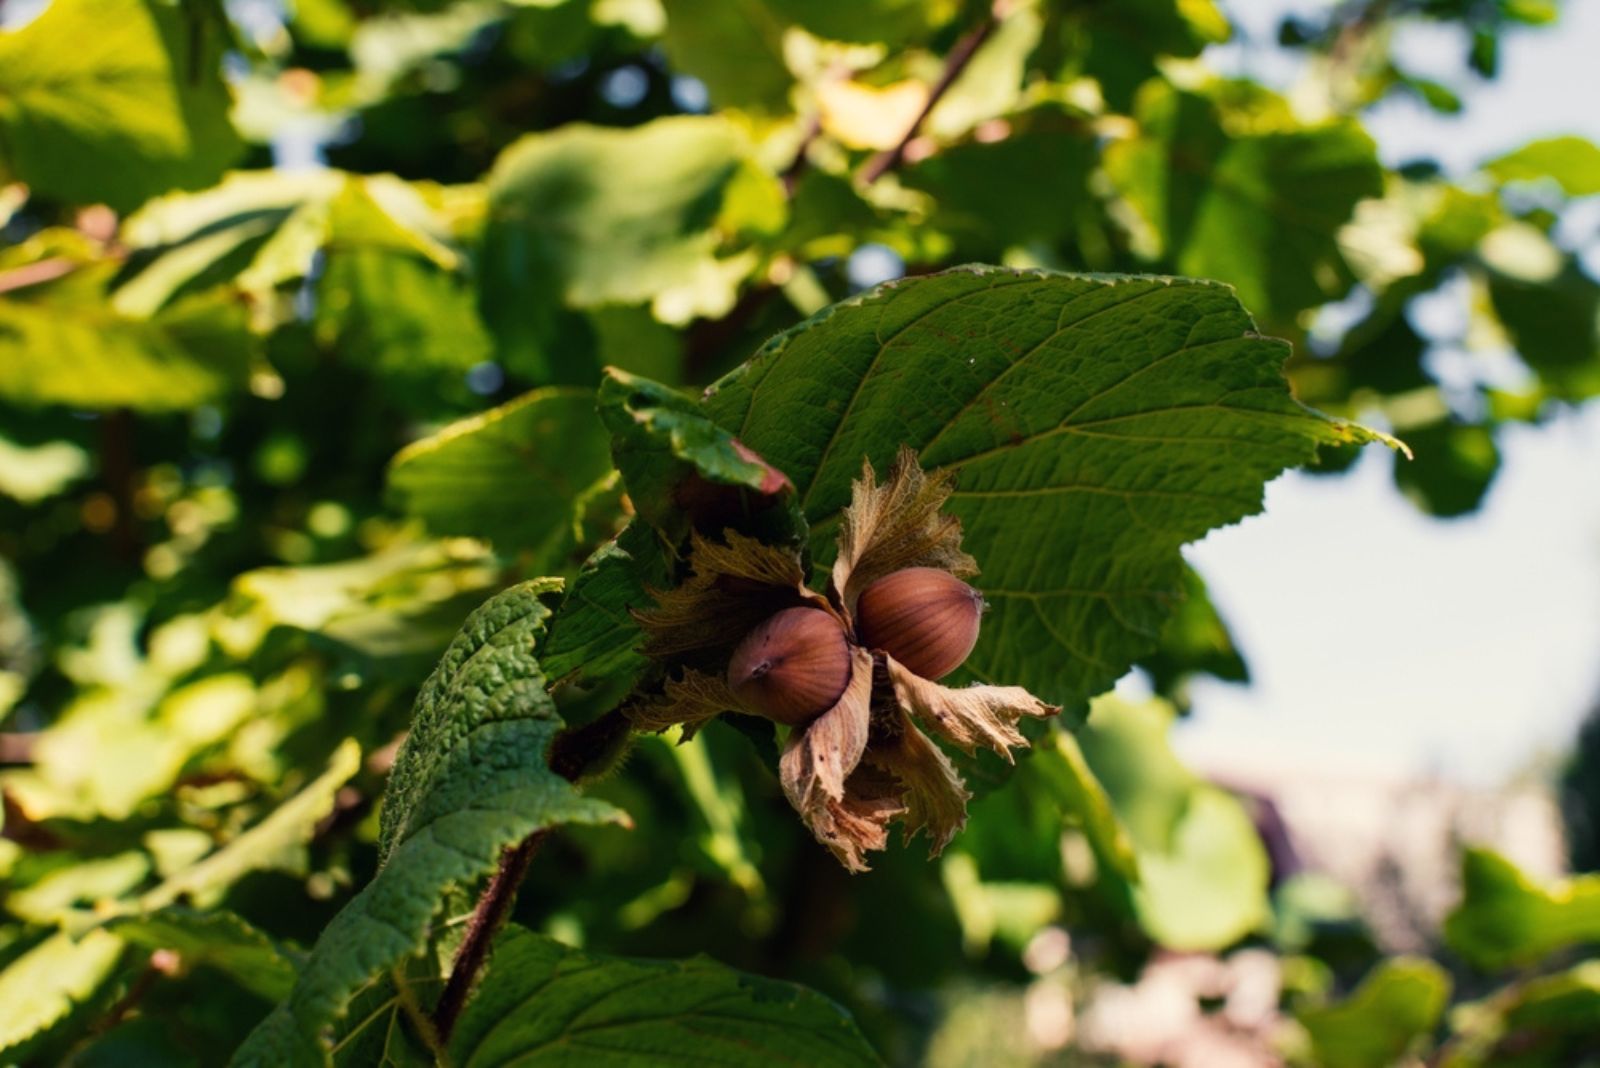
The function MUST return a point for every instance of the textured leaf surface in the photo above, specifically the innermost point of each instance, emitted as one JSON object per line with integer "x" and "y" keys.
{"x": 1393, "y": 1010}
{"x": 543, "y": 1003}
{"x": 470, "y": 780}
{"x": 676, "y": 462}
{"x": 1506, "y": 919}
{"x": 513, "y": 474}
{"x": 1094, "y": 425}
{"x": 111, "y": 101}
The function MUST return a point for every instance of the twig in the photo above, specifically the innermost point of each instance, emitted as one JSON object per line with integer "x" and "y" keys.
{"x": 119, "y": 471}
{"x": 956, "y": 62}
{"x": 486, "y": 920}
{"x": 572, "y": 756}
{"x": 36, "y": 273}
{"x": 16, "y": 747}
{"x": 791, "y": 174}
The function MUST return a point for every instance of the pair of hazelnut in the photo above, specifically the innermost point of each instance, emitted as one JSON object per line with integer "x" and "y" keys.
{"x": 796, "y": 665}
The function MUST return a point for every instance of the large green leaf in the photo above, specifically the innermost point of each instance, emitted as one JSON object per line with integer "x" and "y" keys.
{"x": 470, "y": 780}
{"x": 1393, "y": 1010}
{"x": 579, "y": 219}
{"x": 42, "y": 989}
{"x": 1095, "y": 424}
{"x": 1548, "y": 1021}
{"x": 681, "y": 468}
{"x": 219, "y": 940}
{"x": 735, "y": 49}
{"x": 1505, "y": 919}
{"x": 62, "y": 342}
{"x": 1570, "y": 162}
{"x": 113, "y": 101}
{"x": 389, "y": 283}
{"x": 543, "y": 1003}
{"x": 513, "y": 474}
{"x": 1260, "y": 211}
{"x": 1202, "y": 870}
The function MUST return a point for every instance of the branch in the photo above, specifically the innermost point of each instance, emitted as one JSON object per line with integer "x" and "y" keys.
{"x": 954, "y": 64}
{"x": 574, "y": 753}
{"x": 486, "y": 921}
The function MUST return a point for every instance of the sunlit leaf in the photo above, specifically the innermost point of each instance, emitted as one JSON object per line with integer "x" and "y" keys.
{"x": 1505, "y": 919}
{"x": 111, "y": 101}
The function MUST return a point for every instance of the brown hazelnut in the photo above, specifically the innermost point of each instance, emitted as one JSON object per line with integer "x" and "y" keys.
{"x": 793, "y": 667}
{"x": 925, "y": 618}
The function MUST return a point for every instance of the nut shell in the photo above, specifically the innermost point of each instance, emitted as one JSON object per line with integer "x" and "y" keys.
{"x": 925, "y": 618}
{"x": 793, "y": 667}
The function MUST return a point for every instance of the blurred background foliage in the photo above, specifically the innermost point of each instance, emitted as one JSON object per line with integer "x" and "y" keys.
{"x": 272, "y": 303}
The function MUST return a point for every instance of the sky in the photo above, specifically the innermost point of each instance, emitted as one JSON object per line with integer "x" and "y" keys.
{"x": 1381, "y": 640}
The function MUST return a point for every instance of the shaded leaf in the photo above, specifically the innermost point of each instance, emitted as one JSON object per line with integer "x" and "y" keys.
{"x": 681, "y": 468}
{"x": 544, "y": 1003}
{"x": 265, "y": 845}
{"x": 219, "y": 940}
{"x": 1386, "y": 1018}
{"x": 513, "y": 474}
{"x": 1259, "y": 211}
{"x": 470, "y": 780}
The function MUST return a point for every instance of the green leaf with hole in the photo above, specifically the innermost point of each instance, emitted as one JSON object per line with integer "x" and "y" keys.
{"x": 111, "y": 101}
{"x": 543, "y": 1003}
{"x": 1094, "y": 424}
{"x": 470, "y": 780}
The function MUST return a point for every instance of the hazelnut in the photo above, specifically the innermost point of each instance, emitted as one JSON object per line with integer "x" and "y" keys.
{"x": 925, "y": 618}
{"x": 793, "y": 667}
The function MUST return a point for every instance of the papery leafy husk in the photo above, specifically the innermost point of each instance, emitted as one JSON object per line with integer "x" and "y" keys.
{"x": 932, "y": 792}
{"x": 821, "y": 755}
{"x": 691, "y": 701}
{"x": 733, "y": 586}
{"x": 895, "y": 526}
{"x": 970, "y": 716}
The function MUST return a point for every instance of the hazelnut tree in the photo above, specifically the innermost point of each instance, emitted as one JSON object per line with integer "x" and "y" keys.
{"x": 474, "y": 538}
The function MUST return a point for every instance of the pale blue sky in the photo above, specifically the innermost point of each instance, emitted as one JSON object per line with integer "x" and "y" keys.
{"x": 1382, "y": 640}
